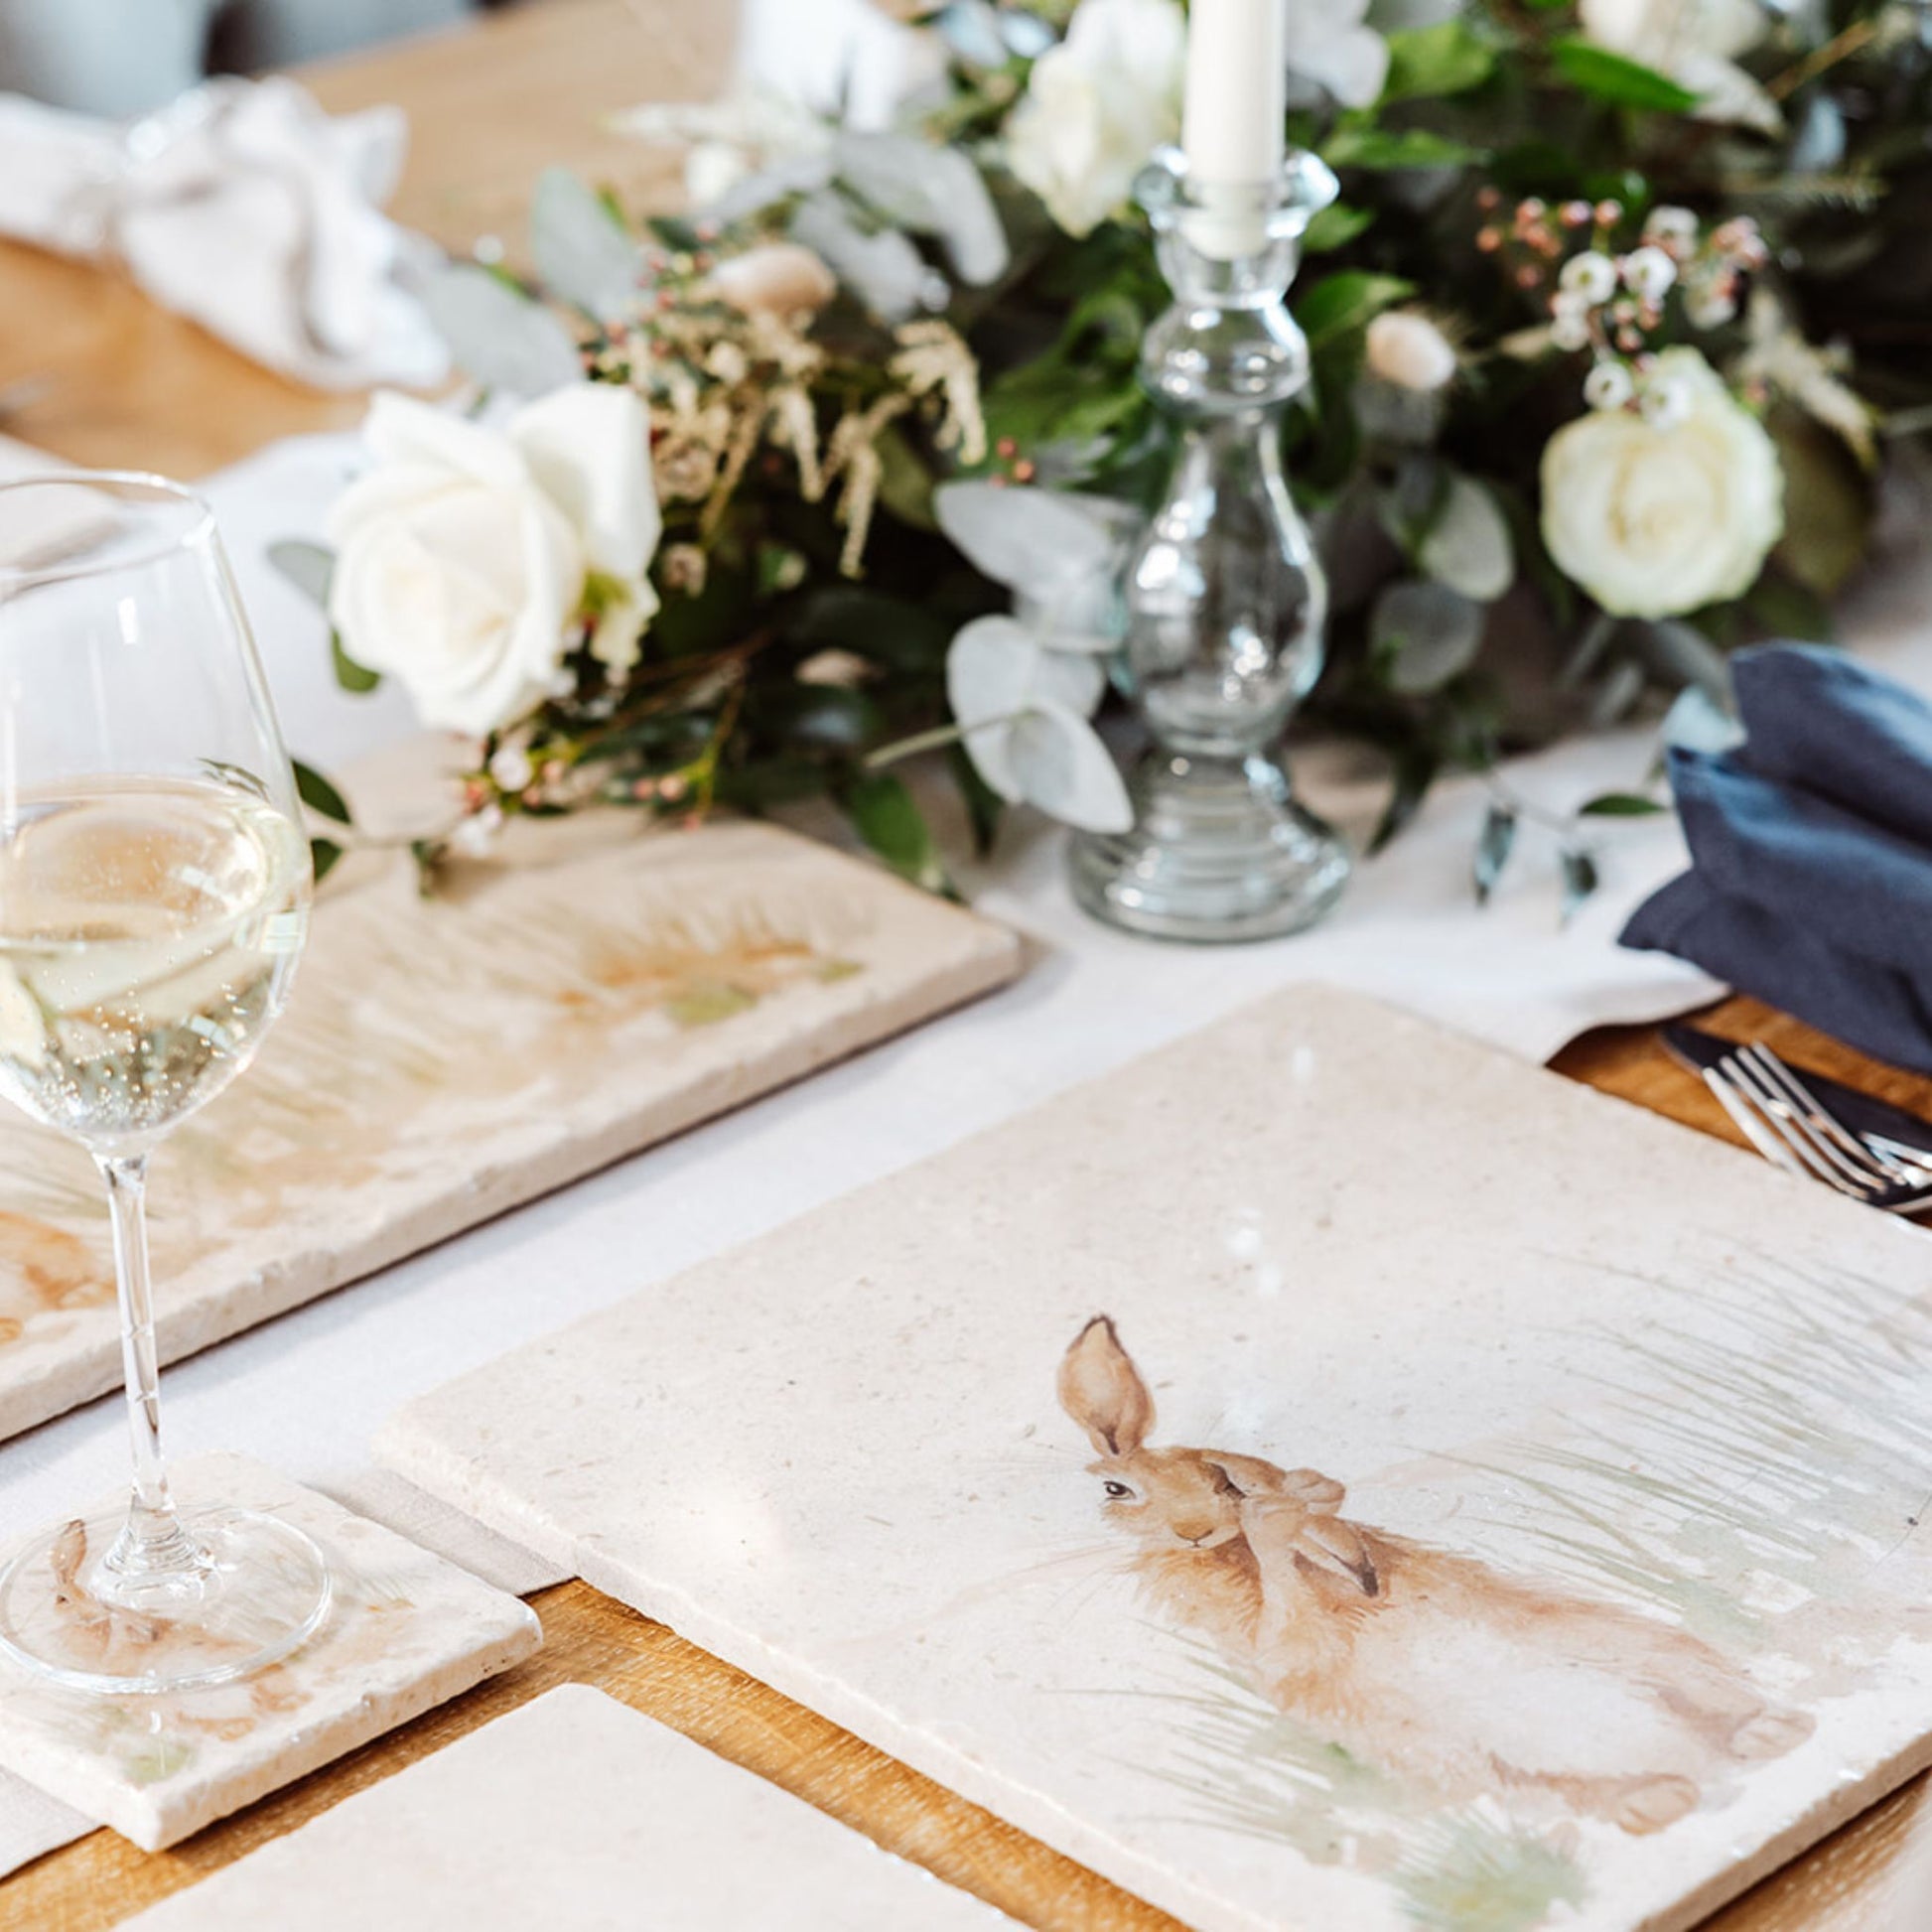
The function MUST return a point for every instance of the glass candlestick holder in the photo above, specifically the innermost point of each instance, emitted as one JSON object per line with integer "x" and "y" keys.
{"x": 1225, "y": 598}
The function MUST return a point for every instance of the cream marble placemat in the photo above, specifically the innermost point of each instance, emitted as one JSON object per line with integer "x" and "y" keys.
{"x": 1483, "y": 1503}
{"x": 573, "y": 1810}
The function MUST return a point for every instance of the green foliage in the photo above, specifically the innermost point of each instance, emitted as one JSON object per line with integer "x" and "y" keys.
{"x": 1602, "y": 75}
{"x": 1450, "y": 57}
{"x": 887, "y": 818}
{"x": 320, "y": 796}
{"x": 352, "y": 677}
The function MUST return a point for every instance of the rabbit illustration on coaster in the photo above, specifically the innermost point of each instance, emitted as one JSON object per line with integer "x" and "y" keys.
{"x": 1436, "y": 1666}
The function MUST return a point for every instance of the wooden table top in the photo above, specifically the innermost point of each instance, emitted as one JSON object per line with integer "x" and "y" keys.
{"x": 490, "y": 105}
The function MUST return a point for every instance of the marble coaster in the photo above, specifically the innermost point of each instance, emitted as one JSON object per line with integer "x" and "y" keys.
{"x": 572, "y": 1811}
{"x": 445, "y": 1059}
{"x": 406, "y": 1631}
{"x": 1325, "y": 1473}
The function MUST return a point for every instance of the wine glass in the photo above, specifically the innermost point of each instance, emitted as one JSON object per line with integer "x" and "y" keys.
{"x": 154, "y": 899}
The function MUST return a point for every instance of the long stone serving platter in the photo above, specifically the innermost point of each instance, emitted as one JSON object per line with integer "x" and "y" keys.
{"x": 572, "y": 1811}
{"x": 446, "y": 1058}
{"x": 1323, "y": 1475}
{"x": 404, "y": 1632}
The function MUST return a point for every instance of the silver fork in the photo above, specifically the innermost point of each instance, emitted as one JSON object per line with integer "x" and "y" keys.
{"x": 1783, "y": 1119}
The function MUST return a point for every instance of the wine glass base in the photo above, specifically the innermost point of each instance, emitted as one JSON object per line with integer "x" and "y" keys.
{"x": 260, "y": 1591}
{"x": 1220, "y": 853}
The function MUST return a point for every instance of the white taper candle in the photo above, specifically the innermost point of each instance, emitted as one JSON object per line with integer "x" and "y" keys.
{"x": 1232, "y": 126}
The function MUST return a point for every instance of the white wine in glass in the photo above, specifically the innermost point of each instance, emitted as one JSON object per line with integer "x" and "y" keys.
{"x": 154, "y": 897}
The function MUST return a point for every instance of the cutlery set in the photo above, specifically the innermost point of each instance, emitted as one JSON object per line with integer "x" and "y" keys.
{"x": 1865, "y": 1148}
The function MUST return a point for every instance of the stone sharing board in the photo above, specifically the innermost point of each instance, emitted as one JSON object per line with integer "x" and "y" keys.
{"x": 444, "y": 1059}
{"x": 573, "y": 1810}
{"x": 1323, "y": 1475}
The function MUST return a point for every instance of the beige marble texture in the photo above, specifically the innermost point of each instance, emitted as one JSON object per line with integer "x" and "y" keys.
{"x": 1491, "y": 1507}
{"x": 445, "y": 1059}
{"x": 577, "y": 1812}
{"x": 406, "y": 1631}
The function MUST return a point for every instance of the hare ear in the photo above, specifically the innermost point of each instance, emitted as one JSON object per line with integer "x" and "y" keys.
{"x": 1309, "y": 1488}
{"x": 1102, "y": 1389}
{"x": 1314, "y": 1491}
{"x": 1338, "y": 1548}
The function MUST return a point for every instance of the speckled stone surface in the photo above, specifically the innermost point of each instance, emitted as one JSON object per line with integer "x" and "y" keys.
{"x": 577, "y": 1812}
{"x": 1491, "y": 1505}
{"x": 444, "y": 1059}
{"x": 405, "y": 1632}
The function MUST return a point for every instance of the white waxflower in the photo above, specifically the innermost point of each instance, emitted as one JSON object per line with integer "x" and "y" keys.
{"x": 1590, "y": 276}
{"x": 1408, "y": 351}
{"x": 1098, "y": 105}
{"x": 1653, "y": 520}
{"x": 1709, "y": 302}
{"x": 1608, "y": 386}
{"x": 1669, "y": 226}
{"x": 1648, "y": 272}
{"x": 511, "y": 769}
{"x": 465, "y": 553}
{"x": 1060, "y": 553}
{"x": 1568, "y": 323}
{"x": 1696, "y": 43}
{"x": 1665, "y": 400}
{"x": 1025, "y": 709}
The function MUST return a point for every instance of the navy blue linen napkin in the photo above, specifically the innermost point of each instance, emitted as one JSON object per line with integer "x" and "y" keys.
{"x": 1811, "y": 852}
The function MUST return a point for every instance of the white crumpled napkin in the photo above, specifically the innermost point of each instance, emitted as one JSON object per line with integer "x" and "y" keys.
{"x": 247, "y": 207}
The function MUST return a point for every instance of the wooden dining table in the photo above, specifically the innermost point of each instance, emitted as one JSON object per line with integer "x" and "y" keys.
{"x": 121, "y": 383}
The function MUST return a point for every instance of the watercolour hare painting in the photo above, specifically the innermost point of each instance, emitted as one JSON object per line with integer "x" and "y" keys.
{"x": 1436, "y": 1667}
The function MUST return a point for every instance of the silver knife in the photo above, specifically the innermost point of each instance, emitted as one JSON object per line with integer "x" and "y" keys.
{"x": 1870, "y": 1117}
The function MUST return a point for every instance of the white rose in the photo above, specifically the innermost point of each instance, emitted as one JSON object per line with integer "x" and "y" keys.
{"x": 1330, "y": 46}
{"x": 465, "y": 553}
{"x": 1696, "y": 43}
{"x": 1656, "y": 519}
{"x": 1096, "y": 107}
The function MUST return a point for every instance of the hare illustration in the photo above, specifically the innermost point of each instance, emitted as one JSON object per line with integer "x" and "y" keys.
{"x": 1433, "y": 1665}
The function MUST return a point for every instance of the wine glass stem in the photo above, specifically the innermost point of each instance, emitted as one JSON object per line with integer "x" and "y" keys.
{"x": 152, "y": 1544}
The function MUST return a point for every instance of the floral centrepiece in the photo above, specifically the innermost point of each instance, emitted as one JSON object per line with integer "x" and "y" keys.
{"x": 1612, "y": 328}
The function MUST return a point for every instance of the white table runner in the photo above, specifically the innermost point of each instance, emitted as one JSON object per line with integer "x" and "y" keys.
{"x": 307, "y": 1392}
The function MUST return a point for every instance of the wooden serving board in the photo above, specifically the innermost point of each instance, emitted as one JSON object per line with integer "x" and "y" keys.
{"x": 1484, "y": 1506}
{"x": 444, "y": 1059}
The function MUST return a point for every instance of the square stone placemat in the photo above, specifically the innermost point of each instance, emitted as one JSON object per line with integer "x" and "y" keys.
{"x": 406, "y": 1631}
{"x": 572, "y": 1811}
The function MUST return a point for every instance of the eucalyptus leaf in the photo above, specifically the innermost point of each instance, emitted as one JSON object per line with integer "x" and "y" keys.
{"x": 500, "y": 339}
{"x": 1579, "y": 878}
{"x": 1467, "y": 546}
{"x": 1697, "y": 722}
{"x": 886, "y": 270}
{"x": 1426, "y": 633}
{"x": 322, "y": 857}
{"x": 1617, "y": 694}
{"x": 310, "y": 567}
{"x": 582, "y": 253}
{"x": 1494, "y": 844}
{"x": 1682, "y": 651}
{"x": 929, "y": 190}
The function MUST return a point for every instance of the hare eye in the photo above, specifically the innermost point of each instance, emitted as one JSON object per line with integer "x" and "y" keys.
{"x": 1116, "y": 1489}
